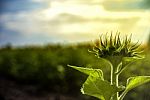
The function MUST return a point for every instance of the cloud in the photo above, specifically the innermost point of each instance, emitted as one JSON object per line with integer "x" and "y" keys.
{"x": 68, "y": 21}
{"x": 65, "y": 25}
{"x": 39, "y": 1}
{"x": 126, "y": 5}
{"x": 25, "y": 23}
{"x": 78, "y": 1}
{"x": 71, "y": 18}
{"x": 36, "y": 23}
{"x": 13, "y": 6}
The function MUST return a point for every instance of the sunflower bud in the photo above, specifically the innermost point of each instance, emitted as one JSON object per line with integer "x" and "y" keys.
{"x": 115, "y": 48}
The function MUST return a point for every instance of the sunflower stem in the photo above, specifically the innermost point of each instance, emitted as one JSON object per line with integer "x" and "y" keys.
{"x": 111, "y": 77}
{"x": 114, "y": 81}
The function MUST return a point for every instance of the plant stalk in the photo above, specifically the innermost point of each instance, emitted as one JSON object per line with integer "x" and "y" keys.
{"x": 111, "y": 77}
{"x": 114, "y": 81}
{"x": 122, "y": 95}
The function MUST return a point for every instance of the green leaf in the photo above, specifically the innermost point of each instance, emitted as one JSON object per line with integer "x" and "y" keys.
{"x": 133, "y": 82}
{"x": 96, "y": 87}
{"x": 89, "y": 71}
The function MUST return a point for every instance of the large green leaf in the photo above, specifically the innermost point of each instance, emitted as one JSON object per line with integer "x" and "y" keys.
{"x": 133, "y": 82}
{"x": 96, "y": 87}
{"x": 89, "y": 71}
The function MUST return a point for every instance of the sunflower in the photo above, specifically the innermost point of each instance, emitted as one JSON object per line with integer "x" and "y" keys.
{"x": 115, "y": 48}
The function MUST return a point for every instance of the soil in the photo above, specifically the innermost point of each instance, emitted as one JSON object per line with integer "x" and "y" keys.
{"x": 11, "y": 90}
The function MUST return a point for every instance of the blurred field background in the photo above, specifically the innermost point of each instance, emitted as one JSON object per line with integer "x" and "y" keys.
{"x": 39, "y": 38}
{"x": 37, "y": 71}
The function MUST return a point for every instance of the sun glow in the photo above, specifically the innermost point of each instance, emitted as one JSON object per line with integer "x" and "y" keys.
{"x": 89, "y": 11}
{"x": 97, "y": 18}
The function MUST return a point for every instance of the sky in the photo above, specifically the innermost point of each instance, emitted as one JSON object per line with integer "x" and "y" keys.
{"x": 25, "y": 22}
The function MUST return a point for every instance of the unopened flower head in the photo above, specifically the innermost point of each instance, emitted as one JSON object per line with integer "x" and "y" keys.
{"x": 109, "y": 46}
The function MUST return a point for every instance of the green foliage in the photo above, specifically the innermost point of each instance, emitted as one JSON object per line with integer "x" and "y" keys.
{"x": 136, "y": 81}
{"x": 102, "y": 89}
{"x": 96, "y": 86}
{"x": 133, "y": 82}
{"x": 90, "y": 71}
{"x": 46, "y": 67}
{"x": 119, "y": 54}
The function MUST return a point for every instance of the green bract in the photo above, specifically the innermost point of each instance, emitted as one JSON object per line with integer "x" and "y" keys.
{"x": 114, "y": 46}
{"x": 119, "y": 54}
{"x": 114, "y": 49}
